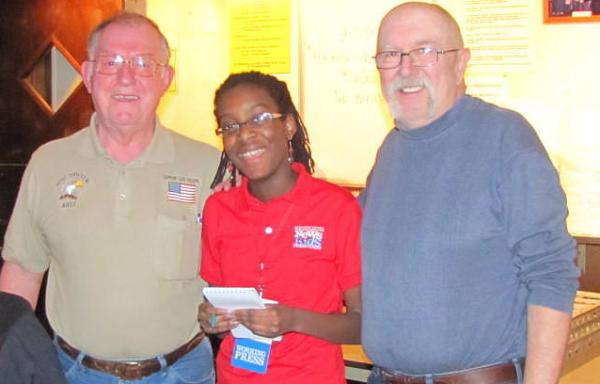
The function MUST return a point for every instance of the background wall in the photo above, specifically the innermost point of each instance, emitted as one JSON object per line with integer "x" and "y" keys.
{"x": 198, "y": 32}
{"x": 553, "y": 81}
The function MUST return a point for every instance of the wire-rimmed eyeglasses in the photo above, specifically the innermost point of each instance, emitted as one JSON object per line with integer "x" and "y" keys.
{"x": 419, "y": 57}
{"x": 230, "y": 129}
{"x": 141, "y": 65}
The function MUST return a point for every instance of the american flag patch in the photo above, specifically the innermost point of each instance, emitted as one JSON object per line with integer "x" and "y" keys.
{"x": 185, "y": 193}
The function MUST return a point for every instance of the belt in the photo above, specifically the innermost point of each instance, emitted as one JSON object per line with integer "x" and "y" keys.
{"x": 501, "y": 373}
{"x": 130, "y": 370}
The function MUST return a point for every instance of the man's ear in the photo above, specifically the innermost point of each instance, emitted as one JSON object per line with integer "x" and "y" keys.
{"x": 168, "y": 73}
{"x": 87, "y": 70}
{"x": 464, "y": 55}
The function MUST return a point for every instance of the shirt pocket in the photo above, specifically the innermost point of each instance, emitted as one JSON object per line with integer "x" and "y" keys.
{"x": 177, "y": 250}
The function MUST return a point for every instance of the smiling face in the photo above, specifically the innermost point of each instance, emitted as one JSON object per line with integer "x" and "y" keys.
{"x": 124, "y": 101}
{"x": 416, "y": 96}
{"x": 260, "y": 152}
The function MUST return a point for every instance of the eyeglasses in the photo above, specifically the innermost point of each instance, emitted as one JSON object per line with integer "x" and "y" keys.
{"x": 419, "y": 57}
{"x": 263, "y": 118}
{"x": 141, "y": 65}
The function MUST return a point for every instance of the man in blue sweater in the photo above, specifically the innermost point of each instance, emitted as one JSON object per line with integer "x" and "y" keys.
{"x": 467, "y": 263}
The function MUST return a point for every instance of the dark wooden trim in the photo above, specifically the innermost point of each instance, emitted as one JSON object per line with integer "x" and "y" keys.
{"x": 587, "y": 240}
{"x": 42, "y": 50}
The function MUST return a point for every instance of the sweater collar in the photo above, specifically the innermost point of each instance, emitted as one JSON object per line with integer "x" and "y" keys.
{"x": 436, "y": 127}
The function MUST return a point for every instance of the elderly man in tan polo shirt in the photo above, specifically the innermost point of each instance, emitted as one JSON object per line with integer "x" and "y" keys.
{"x": 113, "y": 213}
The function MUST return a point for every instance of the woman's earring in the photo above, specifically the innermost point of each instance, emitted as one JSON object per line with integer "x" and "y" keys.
{"x": 290, "y": 152}
{"x": 231, "y": 172}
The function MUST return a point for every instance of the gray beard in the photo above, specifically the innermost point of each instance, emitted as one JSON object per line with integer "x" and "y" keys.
{"x": 392, "y": 101}
{"x": 396, "y": 112}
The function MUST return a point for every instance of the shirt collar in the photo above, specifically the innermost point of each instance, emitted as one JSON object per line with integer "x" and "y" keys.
{"x": 297, "y": 195}
{"x": 160, "y": 150}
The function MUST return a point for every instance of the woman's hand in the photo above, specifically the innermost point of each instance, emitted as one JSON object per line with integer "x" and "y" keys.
{"x": 278, "y": 319}
{"x": 273, "y": 321}
{"x": 215, "y": 320}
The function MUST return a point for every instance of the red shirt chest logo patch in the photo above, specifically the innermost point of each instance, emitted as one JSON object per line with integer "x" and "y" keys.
{"x": 308, "y": 237}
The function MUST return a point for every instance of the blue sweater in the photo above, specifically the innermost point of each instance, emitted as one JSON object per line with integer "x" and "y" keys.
{"x": 464, "y": 226}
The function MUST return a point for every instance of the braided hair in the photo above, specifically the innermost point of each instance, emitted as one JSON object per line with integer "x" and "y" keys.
{"x": 278, "y": 90}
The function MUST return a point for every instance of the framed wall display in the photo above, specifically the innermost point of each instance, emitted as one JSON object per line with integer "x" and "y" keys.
{"x": 571, "y": 11}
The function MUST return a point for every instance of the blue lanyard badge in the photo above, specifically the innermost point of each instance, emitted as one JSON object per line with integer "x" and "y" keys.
{"x": 251, "y": 354}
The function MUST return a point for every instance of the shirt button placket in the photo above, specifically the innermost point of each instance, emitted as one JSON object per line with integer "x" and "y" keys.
{"x": 261, "y": 281}
{"x": 123, "y": 188}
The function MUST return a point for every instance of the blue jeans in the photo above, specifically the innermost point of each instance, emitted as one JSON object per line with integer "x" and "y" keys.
{"x": 376, "y": 376}
{"x": 195, "y": 367}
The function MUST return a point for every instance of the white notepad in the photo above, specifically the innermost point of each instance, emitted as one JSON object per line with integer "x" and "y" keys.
{"x": 232, "y": 298}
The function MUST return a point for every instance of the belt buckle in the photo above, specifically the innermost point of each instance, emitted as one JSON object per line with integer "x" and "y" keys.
{"x": 133, "y": 364}
{"x": 130, "y": 370}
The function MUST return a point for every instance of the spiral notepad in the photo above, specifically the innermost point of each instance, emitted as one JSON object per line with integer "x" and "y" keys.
{"x": 232, "y": 298}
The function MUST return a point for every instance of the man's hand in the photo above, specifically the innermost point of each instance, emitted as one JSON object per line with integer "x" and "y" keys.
{"x": 230, "y": 182}
{"x": 547, "y": 336}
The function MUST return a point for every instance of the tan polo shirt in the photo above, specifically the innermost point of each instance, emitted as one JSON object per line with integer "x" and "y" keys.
{"x": 121, "y": 242}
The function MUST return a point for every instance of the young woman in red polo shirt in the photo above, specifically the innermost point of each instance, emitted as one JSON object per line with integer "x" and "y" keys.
{"x": 293, "y": 237}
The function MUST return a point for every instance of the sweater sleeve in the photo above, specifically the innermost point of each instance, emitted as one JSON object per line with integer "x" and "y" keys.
{"x": 535, "y": 208}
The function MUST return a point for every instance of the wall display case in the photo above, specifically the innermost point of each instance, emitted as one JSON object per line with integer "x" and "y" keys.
{"x": 571, "y": 11}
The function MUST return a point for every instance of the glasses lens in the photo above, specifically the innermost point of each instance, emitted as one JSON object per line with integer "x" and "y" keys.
{"x": 228, "y": 129}
{"x": 423, "y": 57}
{"x": 387, "y": 60}
{"x": 262, "y": 118}
{"x": 109, "y": 65}
{"x": 143, "y": 66}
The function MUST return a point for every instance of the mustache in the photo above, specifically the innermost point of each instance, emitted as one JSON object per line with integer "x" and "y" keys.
{"x": 396, "y": 108}
{"x": 409, "y": 82}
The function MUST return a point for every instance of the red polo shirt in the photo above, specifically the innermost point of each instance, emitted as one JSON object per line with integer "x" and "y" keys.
{"x": 301, "y": 249}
